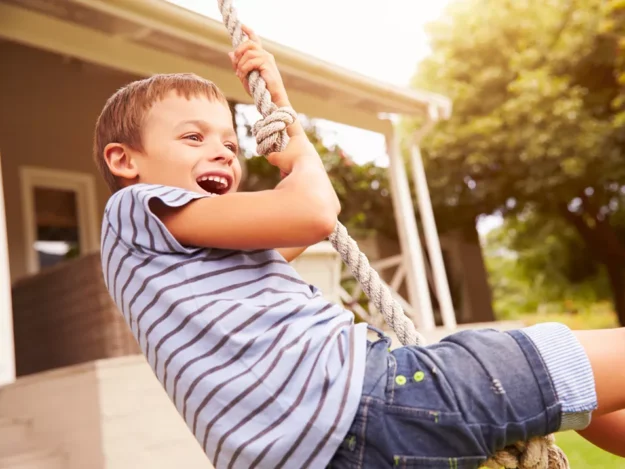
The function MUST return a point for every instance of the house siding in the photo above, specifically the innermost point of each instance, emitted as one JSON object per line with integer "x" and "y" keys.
{"x": 49, "y": 108}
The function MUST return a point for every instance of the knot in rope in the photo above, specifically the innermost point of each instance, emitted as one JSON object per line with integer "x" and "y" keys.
{"x": 537, "y": 453}
{"x": 270, "y": 132}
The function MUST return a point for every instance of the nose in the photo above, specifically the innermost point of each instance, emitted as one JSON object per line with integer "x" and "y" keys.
{"x": 224, "y": 155}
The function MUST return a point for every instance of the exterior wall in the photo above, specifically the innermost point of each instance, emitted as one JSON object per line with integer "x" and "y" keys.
{"x": 64, "y": 316}
{"x": 48, "y": 114}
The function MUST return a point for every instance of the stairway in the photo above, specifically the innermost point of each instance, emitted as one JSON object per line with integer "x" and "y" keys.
{"x": 20, "y": 449}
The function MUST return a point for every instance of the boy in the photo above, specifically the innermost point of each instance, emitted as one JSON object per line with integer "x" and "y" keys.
{"x": 265, "y": 372}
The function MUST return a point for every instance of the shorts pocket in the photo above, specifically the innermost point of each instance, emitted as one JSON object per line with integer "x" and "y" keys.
{"x": 423, "y": 462}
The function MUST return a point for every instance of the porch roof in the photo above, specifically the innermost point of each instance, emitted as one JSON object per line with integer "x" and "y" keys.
{"x": 152, "y": 36}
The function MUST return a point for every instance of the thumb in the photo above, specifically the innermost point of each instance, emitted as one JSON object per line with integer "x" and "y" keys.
{"x": 273, "y": 158}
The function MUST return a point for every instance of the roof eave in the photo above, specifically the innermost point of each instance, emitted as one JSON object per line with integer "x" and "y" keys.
{"x": 193, "y": 26}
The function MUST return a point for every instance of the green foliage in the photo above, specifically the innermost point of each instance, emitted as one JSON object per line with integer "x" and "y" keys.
{"x": 537, "y": 263}
{"x": 363, "y": 190}
{"x": 522, "y": 128}
{"x": 583, "y": 454}
{"x": 614, "y": 26}
{"x": 534, "y": 84}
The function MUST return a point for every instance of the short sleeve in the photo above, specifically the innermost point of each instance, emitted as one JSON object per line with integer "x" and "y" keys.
{"x": 131, "y": 219}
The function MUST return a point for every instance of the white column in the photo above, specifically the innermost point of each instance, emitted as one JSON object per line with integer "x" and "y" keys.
{"x": 7, "y": 351}
{"x": 418, "y": 291}
{"x": 432, "y": 239}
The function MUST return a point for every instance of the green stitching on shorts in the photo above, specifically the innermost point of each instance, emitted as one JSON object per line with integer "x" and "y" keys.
{"x": 418, "y": 376}
{"x": 397, "y": 460}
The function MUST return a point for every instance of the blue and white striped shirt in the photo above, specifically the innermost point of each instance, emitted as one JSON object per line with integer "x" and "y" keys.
{"x": 264, "y": 370}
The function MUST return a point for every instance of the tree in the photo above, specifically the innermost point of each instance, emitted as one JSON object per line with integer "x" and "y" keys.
{"x": 533, "y": 84}
{"x": 536, "y": 261}
{"x": 614, "y": 26}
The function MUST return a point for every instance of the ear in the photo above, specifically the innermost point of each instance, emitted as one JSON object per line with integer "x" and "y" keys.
{"x": 121, "y": 162}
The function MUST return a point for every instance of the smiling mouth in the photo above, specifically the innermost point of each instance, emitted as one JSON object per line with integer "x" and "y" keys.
{"x": 214, "y": 184}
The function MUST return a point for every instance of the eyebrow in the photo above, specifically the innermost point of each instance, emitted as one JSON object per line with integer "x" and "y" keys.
{"x": 202, "y": 124}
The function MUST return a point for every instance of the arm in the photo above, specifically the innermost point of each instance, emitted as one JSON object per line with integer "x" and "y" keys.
{"x": 607, "y": 432}
{"x": 300, "y": 211}
{"x": 290, "y": 254}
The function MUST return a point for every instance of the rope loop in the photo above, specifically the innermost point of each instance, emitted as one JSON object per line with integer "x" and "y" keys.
{"x": 270, "y": 131}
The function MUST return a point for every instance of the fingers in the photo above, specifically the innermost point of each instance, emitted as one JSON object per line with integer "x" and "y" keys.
{"x": 240, "y": 58}
{"x": 252, "y": 60}
{"x": 250, "y": 56}
{"x": 245, "y": 47}
{"x": 274, "y": 159}
{"x": 295, "y": 129}
{"x": 250, "y": 33}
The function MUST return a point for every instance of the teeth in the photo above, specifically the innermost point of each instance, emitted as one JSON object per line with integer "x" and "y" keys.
{"x": 221, "y": 180}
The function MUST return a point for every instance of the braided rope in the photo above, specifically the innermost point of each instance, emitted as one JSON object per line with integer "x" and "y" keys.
{"x": 271, "y": 136}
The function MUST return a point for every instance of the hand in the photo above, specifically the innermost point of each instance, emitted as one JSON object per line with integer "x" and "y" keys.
{"x": 301, "y": 167}
{"x": 250, "y": 56}
{"x": 298, "y": 150}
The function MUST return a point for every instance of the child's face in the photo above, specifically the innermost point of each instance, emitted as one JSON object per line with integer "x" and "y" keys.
{"x": 191, "y": 144}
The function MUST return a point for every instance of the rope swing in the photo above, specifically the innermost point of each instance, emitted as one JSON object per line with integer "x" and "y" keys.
{"x": 271, "y": 136}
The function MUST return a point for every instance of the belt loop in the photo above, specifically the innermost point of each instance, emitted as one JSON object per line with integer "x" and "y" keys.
{"x": 380, "y": 334}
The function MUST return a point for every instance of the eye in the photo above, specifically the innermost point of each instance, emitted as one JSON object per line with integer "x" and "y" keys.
{"x": 194, "y": 137}
{"x": 232, "y": 147}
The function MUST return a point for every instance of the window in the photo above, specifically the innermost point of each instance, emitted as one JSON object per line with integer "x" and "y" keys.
{"x": 59, "y": 216}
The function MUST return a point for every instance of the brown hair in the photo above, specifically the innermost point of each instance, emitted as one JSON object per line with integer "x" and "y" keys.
{"x": 121, "y": 119}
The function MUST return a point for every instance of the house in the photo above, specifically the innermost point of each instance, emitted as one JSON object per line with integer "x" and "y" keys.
{"x": 63, "y": 350}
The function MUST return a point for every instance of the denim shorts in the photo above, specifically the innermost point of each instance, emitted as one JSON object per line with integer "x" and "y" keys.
{"x": 454, "y": 403}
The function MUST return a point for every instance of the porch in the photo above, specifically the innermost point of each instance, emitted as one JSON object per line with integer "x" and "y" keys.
{"x": 62, "y": 343}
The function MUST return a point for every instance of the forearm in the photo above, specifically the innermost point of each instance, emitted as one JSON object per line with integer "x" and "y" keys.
{"x": 309, "y": 181}
{"x": 249, "y": 220}
{"x": 607, "y": 432}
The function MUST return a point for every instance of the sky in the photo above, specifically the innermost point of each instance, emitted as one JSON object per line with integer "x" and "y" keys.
{"x": 382, "y": 40}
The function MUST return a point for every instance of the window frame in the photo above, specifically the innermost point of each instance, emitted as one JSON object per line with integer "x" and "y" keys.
{"x": 82, "y": 184}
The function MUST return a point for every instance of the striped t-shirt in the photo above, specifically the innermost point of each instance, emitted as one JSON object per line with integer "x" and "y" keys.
{"x": 264, "y": 370}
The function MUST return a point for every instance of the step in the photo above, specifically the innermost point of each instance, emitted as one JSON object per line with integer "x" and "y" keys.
{"x": 33, "y": 459}
{"x": 15, "y": 433}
